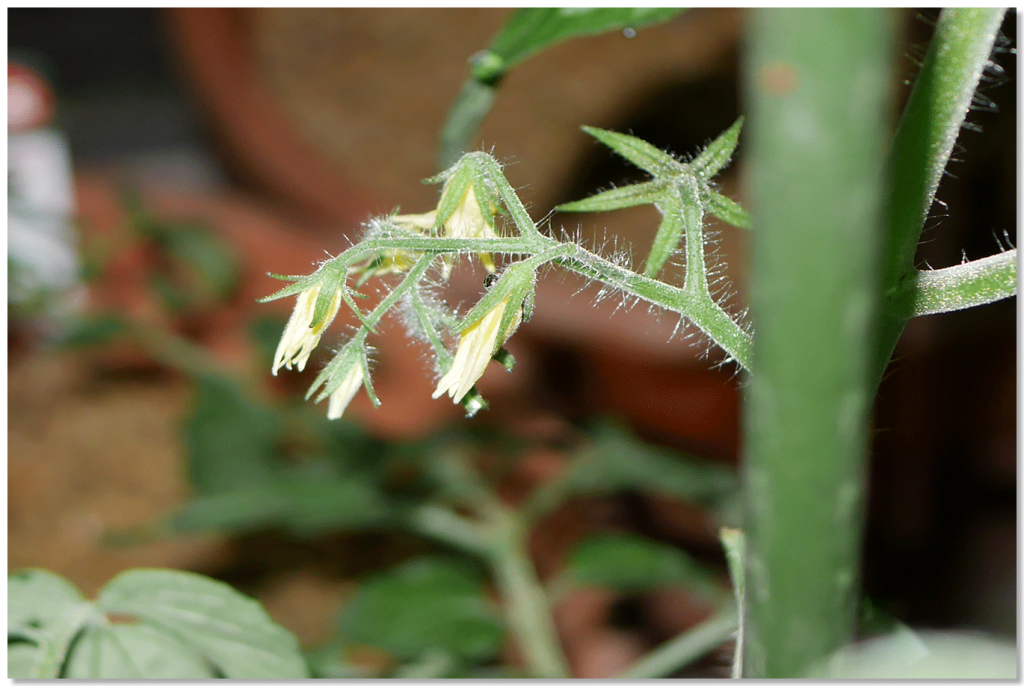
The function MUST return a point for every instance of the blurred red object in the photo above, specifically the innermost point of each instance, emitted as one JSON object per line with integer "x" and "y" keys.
{"x": 30, "y": 100}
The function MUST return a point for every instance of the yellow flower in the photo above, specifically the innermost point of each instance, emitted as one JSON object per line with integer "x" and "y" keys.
{"x": 300, "y": 336}
{"x": 468, "y": 221}
{"x": 343, "y": 394}
{"x": 396, "y": 260}
{"x": 419, "y": 223}
{"x": 476, "y": 347}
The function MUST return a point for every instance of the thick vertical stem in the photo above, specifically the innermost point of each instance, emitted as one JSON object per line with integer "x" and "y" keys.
{"x": 526, "y": 603}
{"x": 816, "y": 89}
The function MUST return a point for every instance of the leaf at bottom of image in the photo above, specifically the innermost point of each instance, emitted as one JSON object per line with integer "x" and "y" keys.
{"x": 145, "y": 623}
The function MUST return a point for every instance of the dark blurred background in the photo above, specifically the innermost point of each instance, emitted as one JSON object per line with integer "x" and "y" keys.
{"x": 284, "y": 129}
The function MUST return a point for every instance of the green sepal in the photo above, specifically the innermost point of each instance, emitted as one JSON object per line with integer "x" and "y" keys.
{"x": 323, "y": 303}
{"x": 331, "y": 376}
{"x": 454, "y": 193}
{"x": 367, "y": 381}
{"x": 515, "y": 282}
{"x": 347, "y": 298}
{"x": 507, "y": 195}
{"x": 505, "y": 358}
{"x": 303, "y": 283}
{"x": 673, "y": 225}
{"x": 728, "y": 210}
{"x": 486, "y": 198}
{"x": 473, "y": 402}
{"x": 716, "y": 156}
{"x": 632, "y": 195}
{"x": 639, "y": 152}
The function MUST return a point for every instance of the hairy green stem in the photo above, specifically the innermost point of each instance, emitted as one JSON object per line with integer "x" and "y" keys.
{"x": 966, "y": 285}
{"x": 411, "y": 280}
{"x": 924, "y": 140}
{"x": 698, "y": 308}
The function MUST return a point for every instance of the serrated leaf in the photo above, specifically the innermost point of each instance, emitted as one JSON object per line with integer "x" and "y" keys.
{"x": 630, "y": 563}
{"x": 134, "y": 651}
{"x": 231, "y": 630}
{"x": 46, "y": 609}
{"x": 729, "y": 211}
{"x": 641, "y": 153}
{"x": 716, "y": 156}
{"x": 531, "y": 29}
{"x": 230, "y": 440}
{"x": 427, "y": 603}
{"x": 36, "y": 598}
{"x": 648, "y": 192}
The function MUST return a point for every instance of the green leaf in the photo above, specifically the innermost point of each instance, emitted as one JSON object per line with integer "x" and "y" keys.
{"x": 716, "y": 156}
{"x": 926, "y": 655}
{"x": 533, "y": 28}
{"x": 641, "y": 153}
{"x": 729, "y": 211}
{"x": 302, "y": 506}
{"x": 236, "y": 511}
{"x": 44, "y": 608}
{"x": 527, "y": 31}
{"x": 619, "y": 461}
{"x": 629, "y": 563}
{"x": 648, "y": 192}
{"x": 616, "y": 461}
{"x": 134, "y": 651}
{"x": 36, "y": 598}
{"x": 21, "y": 658}
{"x": 231, "y": 630}
{"x": 231, "y": 441}
{"x": 183, "y": 617}
{"x": 93, "y": 331}
{"x": 211, "y": 262}
{"x": 427, "y": 603}
{"x": 316, "y": 506}
{"x": 330, "y": 662}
